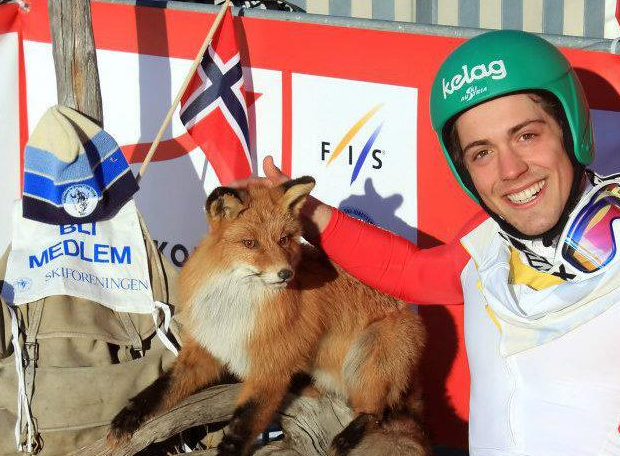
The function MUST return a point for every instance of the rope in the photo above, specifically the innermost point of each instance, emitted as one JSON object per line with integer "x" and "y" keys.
{"x": 162, "y": 334}
{"x": 22, "y": 399}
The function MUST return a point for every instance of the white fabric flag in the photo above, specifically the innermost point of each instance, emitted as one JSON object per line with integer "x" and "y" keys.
{"x": 105, "y": 262}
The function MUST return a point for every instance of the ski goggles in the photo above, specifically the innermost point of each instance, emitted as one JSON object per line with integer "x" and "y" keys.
{"x": 589, "y": 243}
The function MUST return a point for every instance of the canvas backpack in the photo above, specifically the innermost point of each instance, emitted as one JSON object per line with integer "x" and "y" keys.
{"x": 81, "y": 362}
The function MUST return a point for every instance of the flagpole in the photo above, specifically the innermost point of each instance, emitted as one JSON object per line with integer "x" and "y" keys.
{"x": 188, "y": 78}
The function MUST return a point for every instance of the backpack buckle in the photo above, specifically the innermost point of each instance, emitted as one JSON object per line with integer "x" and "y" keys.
{"x": 31, "y": 352}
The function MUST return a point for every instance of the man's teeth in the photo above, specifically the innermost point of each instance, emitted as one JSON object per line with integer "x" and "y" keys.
{"x": 527, "y": 195}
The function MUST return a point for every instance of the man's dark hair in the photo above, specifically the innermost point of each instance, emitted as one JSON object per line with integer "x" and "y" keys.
{"x": 550, "y": 104}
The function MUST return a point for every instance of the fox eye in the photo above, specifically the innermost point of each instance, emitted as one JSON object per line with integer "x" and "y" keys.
{"x": 284, "y": 241}
{"x": 250, "y": 243}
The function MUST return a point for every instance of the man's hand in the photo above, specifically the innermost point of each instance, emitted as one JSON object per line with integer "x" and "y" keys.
{"x": 315, "y": 214}
{"x": 273, "y": 176}
{"x": 272, "y": 172}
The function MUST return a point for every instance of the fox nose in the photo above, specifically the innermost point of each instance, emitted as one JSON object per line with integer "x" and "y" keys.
{"x": 285, "y": 274}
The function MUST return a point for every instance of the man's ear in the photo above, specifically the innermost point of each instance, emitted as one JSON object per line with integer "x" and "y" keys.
{"x": 295, "y": 193}
{"x": 224, "y": 203}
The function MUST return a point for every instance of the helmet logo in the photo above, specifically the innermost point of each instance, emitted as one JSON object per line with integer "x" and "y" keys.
{"x": 495, "y": 69}
{"x": 472, "y": 91}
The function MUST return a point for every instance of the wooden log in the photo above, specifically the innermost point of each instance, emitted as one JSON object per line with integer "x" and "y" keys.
{"x": 75, "y": 60}
{"x": 211, "y": 452}
{"x": 212, "y": 405}
{"x": 309, "y": 424}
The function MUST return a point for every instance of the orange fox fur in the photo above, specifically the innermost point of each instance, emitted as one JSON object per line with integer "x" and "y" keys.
{"x": 258, "y": 303}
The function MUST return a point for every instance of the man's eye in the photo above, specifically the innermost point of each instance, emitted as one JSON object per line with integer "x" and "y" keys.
{"x": 250, "y": 243}
{"x": 528, "y": 136}
{"x": 480, "y": 154}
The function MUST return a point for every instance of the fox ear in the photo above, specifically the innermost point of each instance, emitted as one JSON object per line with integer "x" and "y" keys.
{"x": 224, "y": 203}
{"x": 295, "y": 193}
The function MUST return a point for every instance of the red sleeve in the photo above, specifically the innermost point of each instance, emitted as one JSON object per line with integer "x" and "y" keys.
{"x": 396, "y": 266}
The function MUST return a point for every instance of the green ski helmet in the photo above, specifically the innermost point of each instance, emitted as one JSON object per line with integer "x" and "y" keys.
{"x": 499, "y": 63}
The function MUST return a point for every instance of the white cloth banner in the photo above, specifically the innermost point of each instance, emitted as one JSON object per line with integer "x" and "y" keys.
{"x": 9, "y": 131}
{"x": 105, "y": 262}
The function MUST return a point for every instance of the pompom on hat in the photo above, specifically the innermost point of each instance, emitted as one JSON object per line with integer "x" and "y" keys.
{"x": 74, "y": 172}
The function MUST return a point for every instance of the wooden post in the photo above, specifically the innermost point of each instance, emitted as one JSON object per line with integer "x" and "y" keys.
{"x": 75, "y": 60}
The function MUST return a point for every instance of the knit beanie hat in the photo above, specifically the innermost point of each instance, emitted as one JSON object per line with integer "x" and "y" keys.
{"x": 74, "y": 172}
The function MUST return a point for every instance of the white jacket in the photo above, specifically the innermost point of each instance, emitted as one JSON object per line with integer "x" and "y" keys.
{"x": 542, "y": 385}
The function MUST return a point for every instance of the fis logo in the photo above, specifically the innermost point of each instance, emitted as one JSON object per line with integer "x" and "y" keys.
{"x": 367, "y": 149}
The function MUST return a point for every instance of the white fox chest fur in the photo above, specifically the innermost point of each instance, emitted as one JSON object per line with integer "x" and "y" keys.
{"x": 223, "y": 316}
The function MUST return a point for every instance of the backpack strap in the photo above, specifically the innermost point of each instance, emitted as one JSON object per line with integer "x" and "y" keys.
{"x": 132, "y": 332}
{"x": 159, "y": 302}
{"x": 155, "y": 254}
{"x": 30, "y": 355}
{"x": 31, "y": 347}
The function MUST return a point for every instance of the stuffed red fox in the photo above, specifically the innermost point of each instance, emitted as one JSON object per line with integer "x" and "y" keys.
{"x": 257, "y": 303}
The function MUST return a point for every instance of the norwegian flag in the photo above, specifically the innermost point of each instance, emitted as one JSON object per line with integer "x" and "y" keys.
{"x": 214, "y": 110}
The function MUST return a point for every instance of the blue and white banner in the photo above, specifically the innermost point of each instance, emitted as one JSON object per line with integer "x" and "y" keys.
{"x": 105, "y": 262}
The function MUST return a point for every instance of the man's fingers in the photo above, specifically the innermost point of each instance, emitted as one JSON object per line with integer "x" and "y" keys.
{"x": 273, "y": 173}
{"x": 243, "y": 183}
{"x": 274, "y": 176}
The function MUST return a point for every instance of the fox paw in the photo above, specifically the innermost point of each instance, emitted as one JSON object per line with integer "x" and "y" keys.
{"x": 231, "y": 445}
{"x": 237, "y": 440}
{"x": 350, "y": 436}
{"x": 123, "y": 426}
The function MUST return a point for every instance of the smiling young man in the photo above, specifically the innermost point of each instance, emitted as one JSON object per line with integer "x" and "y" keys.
{"x": 536, "y": 270}
{"x": 514, "y": 152}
